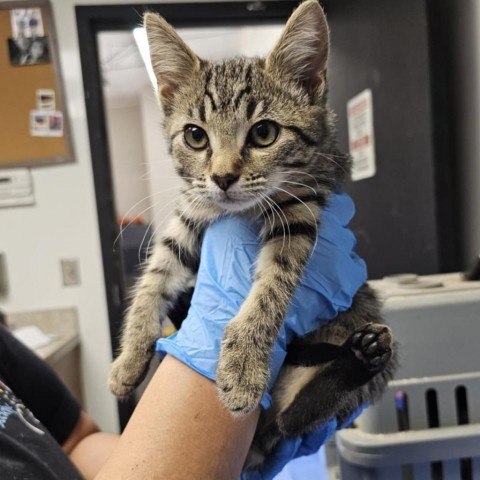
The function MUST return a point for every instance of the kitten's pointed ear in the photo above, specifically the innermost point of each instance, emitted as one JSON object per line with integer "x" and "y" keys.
{"x": 172, "y": 60}
{"x": 302, "y": 51}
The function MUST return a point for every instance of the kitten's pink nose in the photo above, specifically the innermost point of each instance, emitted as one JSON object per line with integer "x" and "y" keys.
{"x": 225, "y": 181}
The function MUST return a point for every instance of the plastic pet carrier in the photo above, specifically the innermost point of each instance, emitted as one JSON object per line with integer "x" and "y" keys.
{"x": 427, "y": 425}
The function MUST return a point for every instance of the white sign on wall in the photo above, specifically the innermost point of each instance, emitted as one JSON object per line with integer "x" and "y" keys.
{"x": 361, "y": 138}
{"x": 16, "y": 187}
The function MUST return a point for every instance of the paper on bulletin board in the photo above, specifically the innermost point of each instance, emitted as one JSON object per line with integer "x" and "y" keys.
{"x": 44, "y": 123}
{"x": 45, "y": 99}
{"x": 26, "y": 22}
{"x": 361, "y": 138}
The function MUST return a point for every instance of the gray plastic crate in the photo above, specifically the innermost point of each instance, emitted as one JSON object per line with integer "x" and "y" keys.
{"x": 427, "y": 425}
{"x": 449, "y": 451}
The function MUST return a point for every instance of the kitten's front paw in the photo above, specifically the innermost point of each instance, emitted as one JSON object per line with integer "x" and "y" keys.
{"x": 372, "y": 345}
{"x": 126, "y": 373}
{"x": 242, "y": 372}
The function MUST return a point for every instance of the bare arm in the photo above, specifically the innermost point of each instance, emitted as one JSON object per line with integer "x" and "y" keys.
{"x": 181, "y": 430}
{"x": 88, "y": 447}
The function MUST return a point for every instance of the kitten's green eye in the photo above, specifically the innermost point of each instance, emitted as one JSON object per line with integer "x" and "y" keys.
{"x": 263, "y": 134}
{"x": 195, "y": 137}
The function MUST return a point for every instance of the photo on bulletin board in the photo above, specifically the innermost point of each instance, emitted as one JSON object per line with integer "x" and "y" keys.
{"x": 34, "y": 129}
{"x": 28, "y": 51}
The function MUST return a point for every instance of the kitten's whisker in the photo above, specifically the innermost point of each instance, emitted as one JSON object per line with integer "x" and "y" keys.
{"x": 301, "y": 172}
{"x": 152, "y": 237}
{"x": 300, "y": 184}
{"x": 187, "y": 206}
{"x": 286, "y": 222}
{"x": 158, "y": 225}
{"x": 193, "y": 206}
{"x": 333, "y": 155}
{"x": 174, "y": 200}
{"x": 268, "y": 206}
{"x": 141, "y": 245}
{"x": 124, "y": 227}
{"x": 271, "y": 220}
{"x": 151, "y": 171}
{"x": 262, "y": 208}
{"x": 144, "y": 199}
{"x": 309, "y": 209}
{"x": 320, "y": 154}
{"x": 277, "y": 210}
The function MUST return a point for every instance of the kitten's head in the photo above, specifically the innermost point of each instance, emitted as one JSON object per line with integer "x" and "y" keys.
{"x": 245, "y": 128}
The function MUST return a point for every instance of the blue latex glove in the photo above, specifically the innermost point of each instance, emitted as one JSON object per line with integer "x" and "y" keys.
{"x": 229, "y": 250}
{"x": 291, "y": 449}
{"x": 297, "y": 447}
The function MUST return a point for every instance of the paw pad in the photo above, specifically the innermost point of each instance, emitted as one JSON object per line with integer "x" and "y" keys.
{"x": 372, "y": 345}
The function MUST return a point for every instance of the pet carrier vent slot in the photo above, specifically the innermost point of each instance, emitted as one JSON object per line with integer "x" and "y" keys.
{"x": 466, "y": 469}
{"x": 461, "y": 403}
{"x": 433, "y": 420}
{"x": 403, "y": 424}
{"x": 401, "y": 406}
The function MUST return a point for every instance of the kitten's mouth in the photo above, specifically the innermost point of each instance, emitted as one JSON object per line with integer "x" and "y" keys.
{"x": 231, "y": 202}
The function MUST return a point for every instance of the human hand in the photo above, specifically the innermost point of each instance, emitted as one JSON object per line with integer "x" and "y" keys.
{"x": 292, "y": 448}
{"x": 229, "y": 251}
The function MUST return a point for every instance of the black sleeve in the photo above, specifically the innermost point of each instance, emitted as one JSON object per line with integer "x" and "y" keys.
{"x": 38, "y": 386}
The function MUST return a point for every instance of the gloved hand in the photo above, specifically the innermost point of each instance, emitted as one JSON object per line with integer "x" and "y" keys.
{"x": 230, "y": 247}
{"x": 297, "y": 447}
{"x": 291, "y": 449}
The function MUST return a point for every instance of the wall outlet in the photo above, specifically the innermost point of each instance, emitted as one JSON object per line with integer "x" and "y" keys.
{"x": 70, "y": 271}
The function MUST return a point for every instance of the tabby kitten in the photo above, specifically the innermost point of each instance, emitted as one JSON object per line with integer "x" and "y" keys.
{"x": 255, "y": 137}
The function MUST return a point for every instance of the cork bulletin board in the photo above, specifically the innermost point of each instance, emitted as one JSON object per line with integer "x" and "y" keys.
{"x": 34, "y": 127}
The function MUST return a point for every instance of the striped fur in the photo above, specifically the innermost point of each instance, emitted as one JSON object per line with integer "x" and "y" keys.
{"x": 284, "y": 186}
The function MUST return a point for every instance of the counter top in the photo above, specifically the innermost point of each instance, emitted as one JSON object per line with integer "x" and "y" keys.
{"x": 59, "y": 324}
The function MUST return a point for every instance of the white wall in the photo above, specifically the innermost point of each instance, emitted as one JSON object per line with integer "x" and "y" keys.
{"x": 129, "y": 169}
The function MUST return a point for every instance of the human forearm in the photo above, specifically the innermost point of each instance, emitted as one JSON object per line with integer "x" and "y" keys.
{"x": 90, "y": 453}
{"x": 181, "y": 430}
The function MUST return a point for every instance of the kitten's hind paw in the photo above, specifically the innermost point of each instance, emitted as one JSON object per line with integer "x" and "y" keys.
{"x": 372, "y": 345}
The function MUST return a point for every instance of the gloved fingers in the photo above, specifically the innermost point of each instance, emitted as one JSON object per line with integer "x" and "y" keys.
{"x": 312, "y": 442}
{"x": 273, "y": 465}
{"x": 353, "y": 417}
{"x": 290, "y": 449}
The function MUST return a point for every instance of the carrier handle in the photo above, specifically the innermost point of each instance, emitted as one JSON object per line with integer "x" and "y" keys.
{"x": 410, "y": 447}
